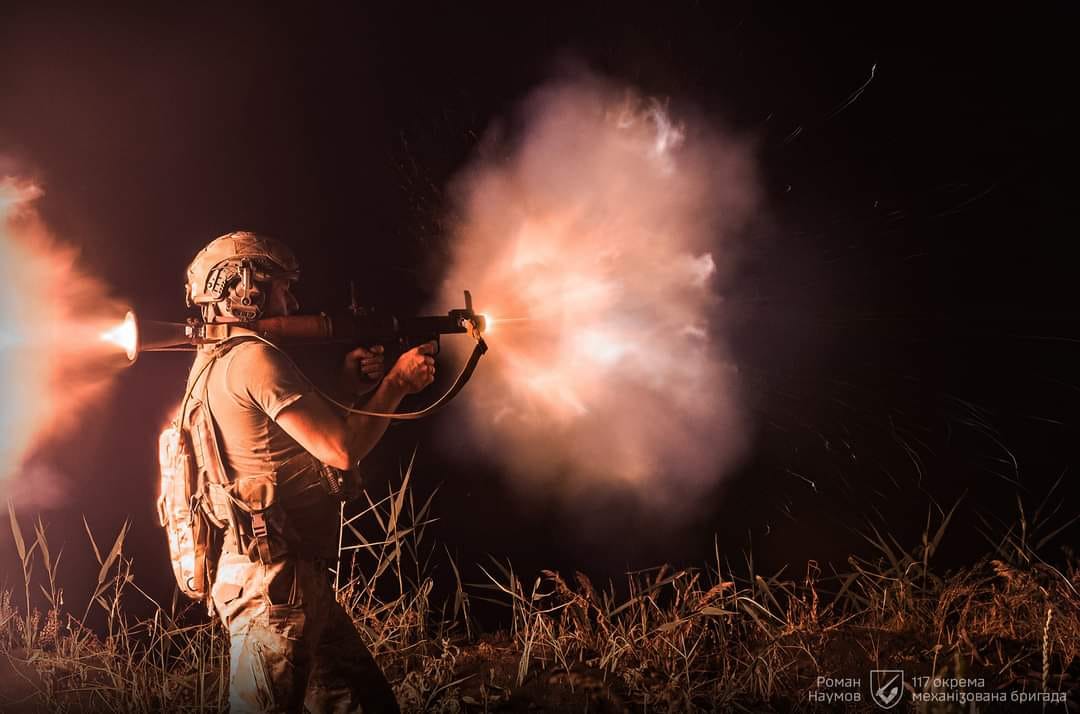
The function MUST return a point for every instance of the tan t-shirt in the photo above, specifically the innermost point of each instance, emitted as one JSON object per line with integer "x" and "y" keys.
{"x": 248, "y": 387}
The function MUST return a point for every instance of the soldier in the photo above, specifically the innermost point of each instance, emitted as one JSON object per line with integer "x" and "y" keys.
{"x": 292, "y": 644}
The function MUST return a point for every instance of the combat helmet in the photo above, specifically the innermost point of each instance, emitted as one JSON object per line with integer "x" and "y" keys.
{"x": 228, "y": 278}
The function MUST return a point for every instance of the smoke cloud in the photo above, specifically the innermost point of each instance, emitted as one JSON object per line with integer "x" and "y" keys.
{"x": 53, "y": 361}
{"x": 598, "y": 238}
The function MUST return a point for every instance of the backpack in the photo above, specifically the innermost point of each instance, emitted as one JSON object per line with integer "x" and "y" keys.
{"x": 193, "y": 505}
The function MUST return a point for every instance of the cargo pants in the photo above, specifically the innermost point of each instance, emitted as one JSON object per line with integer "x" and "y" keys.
{"x": 292, "y": 646}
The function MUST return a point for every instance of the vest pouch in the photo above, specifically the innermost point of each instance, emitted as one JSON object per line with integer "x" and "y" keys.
{"x": 266, "y": 525}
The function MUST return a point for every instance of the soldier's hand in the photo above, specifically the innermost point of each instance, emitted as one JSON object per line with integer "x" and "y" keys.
{"x": 415, "y": 369}
{"x": 364, "y": 368}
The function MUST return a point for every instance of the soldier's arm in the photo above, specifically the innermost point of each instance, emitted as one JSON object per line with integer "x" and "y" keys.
{"x": 342, "y": 442}
{"x": 339, "y": 442}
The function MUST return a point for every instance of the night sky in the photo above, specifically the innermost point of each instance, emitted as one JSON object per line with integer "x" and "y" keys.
{"x": 903, "y": 312}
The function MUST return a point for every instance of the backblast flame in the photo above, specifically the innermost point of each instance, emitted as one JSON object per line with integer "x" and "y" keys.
{"x": 54, "y": 357}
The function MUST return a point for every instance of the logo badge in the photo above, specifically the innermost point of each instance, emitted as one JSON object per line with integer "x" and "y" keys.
{"x": 886, "y": 687}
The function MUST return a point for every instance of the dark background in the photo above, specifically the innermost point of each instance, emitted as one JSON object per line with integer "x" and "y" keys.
{"x": 902, "y": 316}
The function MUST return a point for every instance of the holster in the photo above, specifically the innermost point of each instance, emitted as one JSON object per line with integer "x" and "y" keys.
{"x": 335, "y": 481}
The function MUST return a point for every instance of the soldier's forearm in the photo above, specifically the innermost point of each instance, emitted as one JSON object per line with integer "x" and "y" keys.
{"x": 365, "y": 431}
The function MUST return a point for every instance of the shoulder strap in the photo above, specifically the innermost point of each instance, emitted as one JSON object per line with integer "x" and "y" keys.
{"x": 219, "y": 351}
{"x": 209, "y": 423}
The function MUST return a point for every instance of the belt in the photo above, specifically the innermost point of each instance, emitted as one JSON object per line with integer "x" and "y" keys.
{"x": 326, "y": 563}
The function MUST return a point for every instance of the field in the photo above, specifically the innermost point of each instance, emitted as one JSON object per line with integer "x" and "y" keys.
{"x": 721, "y": 636}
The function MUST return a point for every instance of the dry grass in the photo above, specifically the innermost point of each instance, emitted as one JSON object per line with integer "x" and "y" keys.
{"x": 675, "y": 640}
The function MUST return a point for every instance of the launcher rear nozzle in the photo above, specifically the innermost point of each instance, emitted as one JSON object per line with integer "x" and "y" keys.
{"x": 125, "y": 336}
{"x": 134, "y": 336}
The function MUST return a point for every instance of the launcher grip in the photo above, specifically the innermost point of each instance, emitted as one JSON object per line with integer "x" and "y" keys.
{"x": 402, "y": 344}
